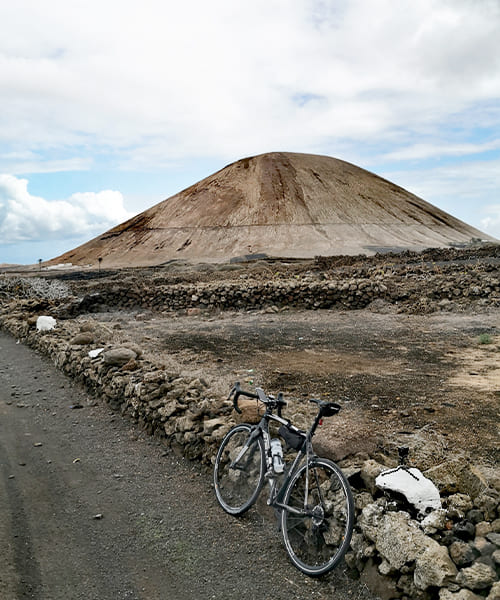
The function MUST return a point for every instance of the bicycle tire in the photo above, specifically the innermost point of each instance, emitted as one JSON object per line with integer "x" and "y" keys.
{"x": 317, "y": 539}
{"x": 237, "y": 487}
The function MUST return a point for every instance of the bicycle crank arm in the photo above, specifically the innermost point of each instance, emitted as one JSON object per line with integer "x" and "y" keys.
{"x": 295, "y": 511}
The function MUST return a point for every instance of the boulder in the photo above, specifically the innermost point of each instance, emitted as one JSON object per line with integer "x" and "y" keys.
{"x": 82, "y": 339}
{"x": 494, "y": 592}
{"x": 384, "y": 587}
{"x": 445, "y": 594}
{"x": 118, "y": 356}
{"x": 477, "y": 577}
{"x": 369, "y": 520}
{"x": 457, "y": 475}
{"x": 433, "y": 567}
{"x": 462, "y": 554}
{"x": 399, "y": 539}
{"x": 210, "y": 424}
{"x": 370, "y": 470}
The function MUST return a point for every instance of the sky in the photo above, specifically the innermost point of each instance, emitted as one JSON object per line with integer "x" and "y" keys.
{"x": 109, "y": 107}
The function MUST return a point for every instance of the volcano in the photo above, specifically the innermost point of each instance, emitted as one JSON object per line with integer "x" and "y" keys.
{"x": 279, "y": 204}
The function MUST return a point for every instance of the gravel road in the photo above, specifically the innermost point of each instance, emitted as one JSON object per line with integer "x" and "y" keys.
{"x": 91, "y": 508}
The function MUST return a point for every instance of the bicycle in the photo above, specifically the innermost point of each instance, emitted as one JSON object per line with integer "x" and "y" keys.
{"x": 314, "y": 502}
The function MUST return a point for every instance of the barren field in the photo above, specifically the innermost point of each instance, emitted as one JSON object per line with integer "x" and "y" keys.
{"x": 394, "y": 374}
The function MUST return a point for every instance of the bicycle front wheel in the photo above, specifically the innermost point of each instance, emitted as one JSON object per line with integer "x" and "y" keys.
{"x": 239, "y": 470}
{"x": 318, "y": 519}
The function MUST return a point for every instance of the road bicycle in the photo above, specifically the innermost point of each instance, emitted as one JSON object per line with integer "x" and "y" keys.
{"x": 310, "y": 494}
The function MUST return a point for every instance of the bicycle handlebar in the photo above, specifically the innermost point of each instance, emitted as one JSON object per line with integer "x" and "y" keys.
{"x": 236, "y": 392}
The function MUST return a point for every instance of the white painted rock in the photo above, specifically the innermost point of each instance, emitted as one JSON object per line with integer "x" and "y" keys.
{"x": 44, "y": 323}
{"x": 416, "y": 488}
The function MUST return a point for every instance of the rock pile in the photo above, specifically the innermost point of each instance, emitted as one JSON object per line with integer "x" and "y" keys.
{"x": 452, "y": 553}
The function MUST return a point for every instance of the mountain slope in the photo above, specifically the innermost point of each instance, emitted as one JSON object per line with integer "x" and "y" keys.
{"x": 280, "y": 204}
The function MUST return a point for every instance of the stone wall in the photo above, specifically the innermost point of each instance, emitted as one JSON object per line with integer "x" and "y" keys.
{"x": 408, "y": 293}
{"x": 452, "y": 554}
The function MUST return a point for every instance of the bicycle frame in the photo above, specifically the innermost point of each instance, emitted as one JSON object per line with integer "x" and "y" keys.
{"x": 262, "y": 429}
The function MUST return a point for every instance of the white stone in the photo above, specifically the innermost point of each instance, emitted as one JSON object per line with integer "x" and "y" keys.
{"x": 44, "y": 323}
{"x": 95, "y": 353}
{"x": 416, "y": 488}
{"x": 434, "y": 521}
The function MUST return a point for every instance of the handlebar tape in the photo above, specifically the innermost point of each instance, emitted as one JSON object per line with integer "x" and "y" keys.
{"x": 237, "y": 391}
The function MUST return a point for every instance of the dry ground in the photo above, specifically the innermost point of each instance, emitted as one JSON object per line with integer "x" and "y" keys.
{"x": 394, "y": 374}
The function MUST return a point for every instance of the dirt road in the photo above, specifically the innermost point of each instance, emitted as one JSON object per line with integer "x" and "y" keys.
{"x": 91, "y": 509}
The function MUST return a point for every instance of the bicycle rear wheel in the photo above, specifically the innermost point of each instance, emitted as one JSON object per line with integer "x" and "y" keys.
{"x": 239, "y": 470}
{"x": 317, "y": 526}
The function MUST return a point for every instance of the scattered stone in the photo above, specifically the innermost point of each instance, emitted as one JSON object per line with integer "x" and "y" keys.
{"x": 484, "y": 547}
{"x": 477, "y": 577}
{"x": 462, "y": 554}
{"x": 434, "y": 521}
{"x": 458, "y": 505}
{"x": 44, "y": 323}
{"x": 487, "y": 501}
{"x": 483, "y": 528}
{"x": 118, "y": 356}
{"x": 87, "y": 326}
{"x": 433, "y": 567}
{"x": 446, "y": 594}
{"x": 494, "y": 592}
{"x": 494, "y": 538}
{"x": 464, "y": 530}
{"x": 475, "y": 516}
{"x": 82, "y": 339}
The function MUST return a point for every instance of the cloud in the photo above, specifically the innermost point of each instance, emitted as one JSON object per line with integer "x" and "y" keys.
{"x": 24, "y": 217}
{"x": 229, "y": 79}
{"x": 491, "y": 223}
{"x": 459, "y": 188}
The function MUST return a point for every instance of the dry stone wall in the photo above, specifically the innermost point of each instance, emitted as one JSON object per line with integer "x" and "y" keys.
{"x": 306, "y": 293}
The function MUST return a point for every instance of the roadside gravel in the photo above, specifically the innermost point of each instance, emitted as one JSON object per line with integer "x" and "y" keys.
{"x": 91, "y": 508}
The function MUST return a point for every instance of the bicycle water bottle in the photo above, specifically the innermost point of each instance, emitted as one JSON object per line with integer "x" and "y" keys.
{"x": 277, "y": 455}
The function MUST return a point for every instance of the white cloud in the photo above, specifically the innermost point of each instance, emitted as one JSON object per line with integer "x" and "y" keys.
{"x": 461, "y": 189}
{"x": 26, "y": 217}
{"x": 437, "y": 149}
{"x": 491, "y": 223}
{"x": 224, "y": 78}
